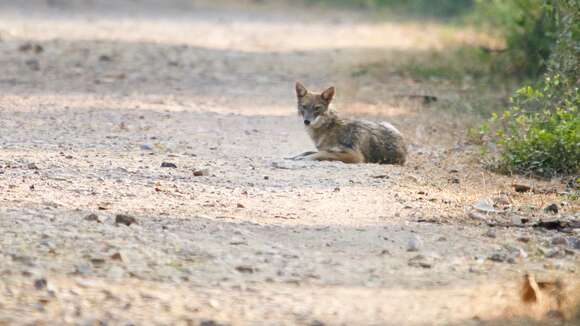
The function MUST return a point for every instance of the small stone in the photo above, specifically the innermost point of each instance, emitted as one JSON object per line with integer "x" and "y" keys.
{"x": 209, "y": 322}
{"x": 246, "y": 269}
{"x": 454, "y": 180}
{"x": 83, "y": 269}
{"x": 524, "y": 239}
{"x": 116, "y": 256}
{"x": 498, "y": 257}
{"x": 92, "y": 218}
{"x": 168, "y": 165}
{"x": 477, "y": 216}
{"x": 522, "y": 188}
{"x": 40, "y": 283}
{"x": 420, "y": 261}
{"x": 146, "y": 147}
{"x": 552, "y": 208}
{"x": 32, "y": 166}
{"x": 97, "y": 262}
{"x": 551, "y": 253}
{"x": 201, "y": 173}
{"x": 32, "y": 64}
{"x": 559, "y": 241}
{"x": 266, "y": 177}
{"x": 576, "y": 243}
{"x": 239, "y": 205}
{"x": 105, "y": 58}
{"x": 415, "y": 243}
{"x": 516, "y": 220}
{"x": 484, "y": 205}
{"x": 125, "y": 219}
{"x": 490, "y": 234}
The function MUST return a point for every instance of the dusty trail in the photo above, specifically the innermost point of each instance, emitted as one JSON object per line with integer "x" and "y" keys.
{"x": 115, "y": 90}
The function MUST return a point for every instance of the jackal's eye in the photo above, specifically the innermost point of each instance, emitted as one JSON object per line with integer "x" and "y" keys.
{"x": 319, "y": 108}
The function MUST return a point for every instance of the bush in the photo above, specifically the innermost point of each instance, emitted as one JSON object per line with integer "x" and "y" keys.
{"x": 540, "y": 134}
{"x": 434, "y": 8}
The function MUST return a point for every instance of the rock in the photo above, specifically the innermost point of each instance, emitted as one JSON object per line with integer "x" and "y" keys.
{"x": 40, "y": 284}
{"x": 454, "y": 180}
{"x": 246, "y": 269}
{"x": 97, "y": 262}
{"x": 559, "y": 241}
{"x": 552, "y": 208}
{"x": 498, "y": 257}
{"x": 415, "y": 243}
{"x": 125, "y": 219}
{"x": 420, "y": 261}
{"x": 477, "y": 216}
{"x": 576, "y": 243}
{"x": 521, "y": 188}
{"x": 201, "y": 173}
{"x": 116, "y": 256}
{"x": 209, "y": 322}
{"x": 516, "y": 220}
{"x": 93, "y": 218}
{"x": 32, "y": 64}
{"x": 490, "y": 234}
{"x": 524, "y": 239}
{"x": 36, "y": 48}
{"x": 32, "y": 166}
{"x": 240, "y": 205}
{"x": 105, "y": 58}
{"x": 168, "y": 165}
{"x": 551, "y": 253}
{"x": 83, "y": 269}
{"x": 146, "y": 147}
{"x": 484, "y": 205}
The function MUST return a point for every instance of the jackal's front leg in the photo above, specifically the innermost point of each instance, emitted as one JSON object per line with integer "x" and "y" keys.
{"x": 302, "y": 156}
{"x": 343, "y": 155}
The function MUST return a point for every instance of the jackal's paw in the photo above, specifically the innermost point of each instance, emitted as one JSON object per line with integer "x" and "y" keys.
{"x": 297, "y": 158}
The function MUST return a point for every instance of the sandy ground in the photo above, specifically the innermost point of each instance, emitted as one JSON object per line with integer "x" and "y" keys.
{"x": 96, "y": 95}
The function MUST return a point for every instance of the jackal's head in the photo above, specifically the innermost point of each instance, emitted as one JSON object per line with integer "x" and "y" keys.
{"x": 313, "y": 108}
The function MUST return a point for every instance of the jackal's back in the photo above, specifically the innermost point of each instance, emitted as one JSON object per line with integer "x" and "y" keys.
{"x": 377, "y": 142}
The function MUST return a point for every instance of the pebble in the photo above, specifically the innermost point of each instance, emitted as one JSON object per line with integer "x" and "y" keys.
{"x": 552, "y": 208}
{"x": 490, "y": 234}
{"x": 516, "y": 220}
{"x": 415, "y": 243}
{"x": 125, "y": 219}
{"x": 524, "y": 239}
{"x": 168, "y": 165}
{"x": 498, "y": 257}
{"x": 551, "y": 253}
{"x": 559, "y": 240}
{"x": 92, "y": 218}
{"x": 246, "y": 269}
{"x": 146, "y": 147}
{"x": 40, "y": 283}
{"x": 420, "y": 261}
{"x": 32, "y": 166}
{"x": 201, "y": 173}
{"x": 521, "y": 188}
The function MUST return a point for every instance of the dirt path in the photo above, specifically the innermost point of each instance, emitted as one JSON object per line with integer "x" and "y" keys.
{"x": 95, "y": 96}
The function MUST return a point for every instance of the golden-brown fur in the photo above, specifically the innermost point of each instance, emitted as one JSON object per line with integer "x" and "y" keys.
{"x": 346, "y": 140}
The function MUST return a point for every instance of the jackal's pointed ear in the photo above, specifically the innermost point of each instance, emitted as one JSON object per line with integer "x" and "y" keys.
{"x": 301, "y": 91}
{"x": 328, "y": 94}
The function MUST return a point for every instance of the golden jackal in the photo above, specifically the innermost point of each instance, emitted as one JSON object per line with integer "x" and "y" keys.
{"x": 346, "y": 140}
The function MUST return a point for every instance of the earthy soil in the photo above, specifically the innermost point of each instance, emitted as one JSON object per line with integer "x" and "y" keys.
{"x": 96, "y": 95}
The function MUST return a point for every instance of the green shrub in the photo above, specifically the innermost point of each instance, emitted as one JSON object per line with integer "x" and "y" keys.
{"x": 434, "y": 8}
{"x": 540, "y": 134}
